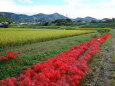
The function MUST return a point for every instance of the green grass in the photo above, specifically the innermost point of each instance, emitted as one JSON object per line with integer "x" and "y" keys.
{"x": 95, "y": 28}
{"x": 33, "y": 48}
{"x": 107, "y": 42}
{"x": 113, "y": 57}
{"x": 33, "y": 26}
{"x": 112, "y": 83}
{"x": 13, "y": 36}
{"x": 12, "y": 67}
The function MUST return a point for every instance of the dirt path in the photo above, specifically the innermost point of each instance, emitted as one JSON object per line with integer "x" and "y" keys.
{"x": 112, "y": 71}
{"x": 106, "y": 74}
{"x": 103, "y": 66}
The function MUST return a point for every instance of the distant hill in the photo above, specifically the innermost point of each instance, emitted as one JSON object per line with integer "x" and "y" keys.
{"x": 42, "y": 17}
{"x": 34, "y": 18}
{"x": 4, "y": 19}
{"x": 85, "y": 19}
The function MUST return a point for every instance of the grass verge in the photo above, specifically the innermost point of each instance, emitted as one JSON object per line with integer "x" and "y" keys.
{"x": 12, "y": 67}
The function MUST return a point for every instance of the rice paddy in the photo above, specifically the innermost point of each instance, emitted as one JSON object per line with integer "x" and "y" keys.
{"x": 14, "y": 36}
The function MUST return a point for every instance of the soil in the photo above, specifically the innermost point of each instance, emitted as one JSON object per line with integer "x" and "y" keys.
{"x": 103, "y": 66}
{"x": 106, "y": 71}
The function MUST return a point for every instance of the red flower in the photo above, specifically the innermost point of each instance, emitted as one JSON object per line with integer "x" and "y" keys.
{"x": 4, "y": 57}
{"x": 65, "y": 69}
{"x": 9, "y": 55}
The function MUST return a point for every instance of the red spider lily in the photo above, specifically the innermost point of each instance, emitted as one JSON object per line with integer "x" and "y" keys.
{"x": 65, "y": 69}
{"x": 4, "y": 57}
{"x": 9, "y": 54}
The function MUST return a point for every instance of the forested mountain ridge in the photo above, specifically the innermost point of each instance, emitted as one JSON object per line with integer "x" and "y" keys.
{"x": 34, "y": 18}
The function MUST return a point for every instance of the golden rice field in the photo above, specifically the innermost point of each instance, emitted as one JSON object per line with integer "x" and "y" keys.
{"x": 14, "y": 36}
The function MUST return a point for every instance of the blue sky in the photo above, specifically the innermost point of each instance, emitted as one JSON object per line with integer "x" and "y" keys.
{"x": 40, "y": 2}
{"x": 55, "y": 2}
{"x": 72, "y": 8}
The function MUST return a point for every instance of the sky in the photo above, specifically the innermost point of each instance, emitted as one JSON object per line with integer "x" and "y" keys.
{"x": 70, "y": 8}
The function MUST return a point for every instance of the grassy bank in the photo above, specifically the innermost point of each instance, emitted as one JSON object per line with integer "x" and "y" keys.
{"x": 13, "y": 66}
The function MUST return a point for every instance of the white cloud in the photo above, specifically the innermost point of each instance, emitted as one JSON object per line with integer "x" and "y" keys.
{"x": 82, "y": 10}
{"x": 7, "y": 5}
{"x": 106, "y": 4}
{"x": 6, "y": 2}
{"x": 27, "y": 1}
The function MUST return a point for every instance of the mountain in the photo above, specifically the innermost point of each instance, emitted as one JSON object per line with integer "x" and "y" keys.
{"x": 47, "y": 18}
{"x": 41, "y": 17}
{"x": 78, "y": 19}
{"x": 88, "y": 18}
{"x": 34, "y": 18}
{"x": 5, "y": 19}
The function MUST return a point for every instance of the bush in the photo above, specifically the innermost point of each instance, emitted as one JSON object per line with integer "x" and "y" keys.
{"x": 68, "y": 28}
{"x": 4, "y": 25}
{"x": 102, "y": 31}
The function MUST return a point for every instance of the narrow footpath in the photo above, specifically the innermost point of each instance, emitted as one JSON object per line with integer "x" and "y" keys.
{"x": 106, "y": 76}
{"x": 102, "y": 65}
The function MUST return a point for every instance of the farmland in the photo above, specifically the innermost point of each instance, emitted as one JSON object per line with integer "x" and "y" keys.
{"x": 20, "y": 36}
{"x": 36, "y": 47}
{"x": 68, "y": 61}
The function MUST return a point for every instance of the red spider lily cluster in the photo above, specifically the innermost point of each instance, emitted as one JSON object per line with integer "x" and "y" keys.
{"x": 64, "y": 69}
{"x": 9, "y": 54}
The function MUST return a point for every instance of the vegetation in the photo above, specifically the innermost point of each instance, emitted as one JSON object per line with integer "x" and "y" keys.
{"x": 12, "y": 67}
{"x": 20, "y": 36}
{"x": 55, "y": 20}
{"x": 33, "y": 46}
{"x": 33, "y": 26}
{"x": 62, "y": 22}
{"x": 63, "y": 64}
{"x": 21, "y": 18}
{"x": 4, "y": 21}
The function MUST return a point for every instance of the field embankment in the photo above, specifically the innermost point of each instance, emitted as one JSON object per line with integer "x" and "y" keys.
{"x": 38, "y": 47}
{"x": 36, "y": 52}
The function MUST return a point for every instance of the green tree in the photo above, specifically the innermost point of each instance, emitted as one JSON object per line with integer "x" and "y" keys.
{"x": 5, "y": 21}
{"x": 62, "y": 22}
